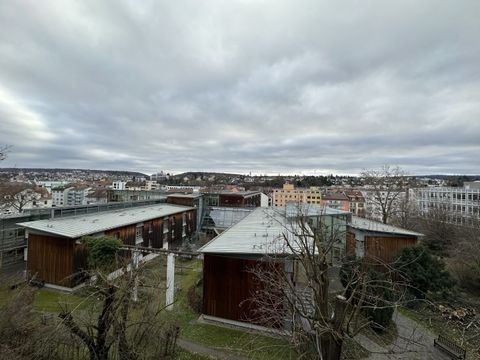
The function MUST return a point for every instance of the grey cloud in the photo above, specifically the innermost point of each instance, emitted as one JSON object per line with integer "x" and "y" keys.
{"x": 300, "y": 86}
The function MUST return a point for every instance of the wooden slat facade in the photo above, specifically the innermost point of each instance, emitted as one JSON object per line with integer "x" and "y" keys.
{"x": 51, "y": 259}
{"x": 387, "y": 248}
{"x": 351, "y": 244}
{"x": 228, "y": 285}
{"x": 60, "y": 261}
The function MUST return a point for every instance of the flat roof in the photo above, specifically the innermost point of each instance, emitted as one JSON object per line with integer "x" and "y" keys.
{"x": 261, "y": 232}
{"x": 238, "y": 193}
{"x": 376, "y": 226}
{"x": 81, "y": 225}
{"x": 188, "y": 196}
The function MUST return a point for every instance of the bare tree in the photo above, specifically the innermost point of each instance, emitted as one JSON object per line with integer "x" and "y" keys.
{"x": 294, "y": 292}
{"x": 4, "y": 149}
{"x": 465, "y": 256}
{"x": 406, "y": 214}
{"x": 16, "y": 195}
{"x": 388, "y": 185}
{"x": 440, "y": 233}
{"x": 114, "y": 325}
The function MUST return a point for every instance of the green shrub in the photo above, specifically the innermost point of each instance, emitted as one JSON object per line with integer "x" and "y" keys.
{"x": 102, "y": 250}
{"x": 424, "y": 272}
{"x": 379, "y": 302}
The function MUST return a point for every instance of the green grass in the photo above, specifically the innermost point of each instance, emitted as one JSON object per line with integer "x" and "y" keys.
{"x": 47, "y": 300}
{"x": 249, "y": 344}
{"x": 185, "y": 355}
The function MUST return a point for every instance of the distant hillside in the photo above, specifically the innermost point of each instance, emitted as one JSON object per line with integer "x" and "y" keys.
{"x": 202, "y": 173}
{"x": 80, "y": 171}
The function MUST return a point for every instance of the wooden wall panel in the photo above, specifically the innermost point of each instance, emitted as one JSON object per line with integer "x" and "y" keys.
{"x": 386, "y": 249}
{"x": 351, "y": 244}
{"x": 180, "y": 201}
{"x": 126, "y": 234}
{"x": 231, "y": 200}
{"x": 227, "y": 287}
{"x": 51, "y": 258}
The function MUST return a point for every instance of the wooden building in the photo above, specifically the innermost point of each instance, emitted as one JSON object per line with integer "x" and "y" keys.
{"x": 228, "y": 283}
{"x": 377, "y": 241}
{"x": 243, "y": 199}
{"x": 55, "y": 252}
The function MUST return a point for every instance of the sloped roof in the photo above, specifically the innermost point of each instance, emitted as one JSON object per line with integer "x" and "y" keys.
{"x": 295, "y": 209}
{"x": 261, "y": 232}
{"x": 81, "y": 225}
{"x": 376, "y": 226}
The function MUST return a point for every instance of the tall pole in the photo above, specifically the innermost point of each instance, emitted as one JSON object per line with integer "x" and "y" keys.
{"x": 170, "y": 292}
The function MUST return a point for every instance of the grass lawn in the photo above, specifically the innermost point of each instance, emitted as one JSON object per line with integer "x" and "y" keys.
{"x": 249, "y": 344}
{"x": 47, "y": 300}
{"x": 241, "y": 342}
{"x": 185, "y": 355}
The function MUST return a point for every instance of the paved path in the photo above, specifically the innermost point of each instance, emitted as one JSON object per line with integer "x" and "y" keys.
{"x": 413, "y": 342}
{"x": 206, "y": 351}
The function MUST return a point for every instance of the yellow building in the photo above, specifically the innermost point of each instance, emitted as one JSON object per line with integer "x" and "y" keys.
{"x": 289, "y": 194}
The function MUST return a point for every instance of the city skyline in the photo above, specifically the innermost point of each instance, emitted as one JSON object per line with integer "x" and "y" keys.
{"x": 265, "y": 87}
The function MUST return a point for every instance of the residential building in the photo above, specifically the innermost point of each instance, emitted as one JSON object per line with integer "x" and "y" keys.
{"x": 119, "y": 185}
{"x": 70, "y": 196}
{"x": 356, "y": 202}
{"x": 336, "y": 200}
{"x": 76, "y": 195}
{"x": 289, "y": 193}
{"x": 49, "y": 185}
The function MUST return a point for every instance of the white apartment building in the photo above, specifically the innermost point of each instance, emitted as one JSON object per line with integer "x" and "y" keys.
{"x": 463, "y": 204}
{"x": 119, "y": 185}
{"x": 71, "y": 196}
{"x": 49, "y": 185}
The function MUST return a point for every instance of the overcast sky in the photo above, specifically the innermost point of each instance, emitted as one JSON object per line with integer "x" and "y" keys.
{"x": 274, "y": 87}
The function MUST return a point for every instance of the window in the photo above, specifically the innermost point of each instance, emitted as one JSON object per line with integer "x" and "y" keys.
{"x": 138, "y": 235}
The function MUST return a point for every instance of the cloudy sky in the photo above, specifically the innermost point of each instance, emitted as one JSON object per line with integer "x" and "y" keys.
{"x": 274, "y": 86}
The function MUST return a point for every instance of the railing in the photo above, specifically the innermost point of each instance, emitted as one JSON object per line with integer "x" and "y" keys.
{"x": 450, "y": 347}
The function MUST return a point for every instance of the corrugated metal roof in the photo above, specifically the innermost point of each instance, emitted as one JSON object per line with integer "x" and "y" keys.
{"x": 77, "y": 226}
{"x": 371, "y": 225}
{"x": 261, "y": 232}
